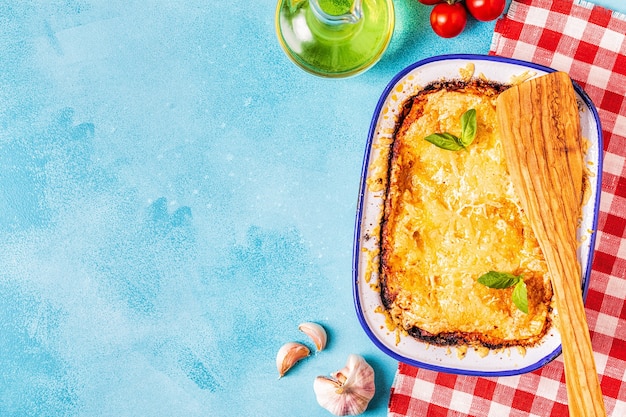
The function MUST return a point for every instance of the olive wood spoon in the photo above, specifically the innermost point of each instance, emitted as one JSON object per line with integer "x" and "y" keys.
{"x": 541, "y": 137}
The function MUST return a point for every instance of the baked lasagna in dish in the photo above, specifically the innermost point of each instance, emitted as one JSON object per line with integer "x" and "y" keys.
{"x": 451, "y": 216}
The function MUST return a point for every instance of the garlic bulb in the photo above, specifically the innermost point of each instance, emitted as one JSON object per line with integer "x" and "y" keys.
{"x": 316, "y": 333}
{"x": 350, "y": 389}
{"x": 288, "y": 355}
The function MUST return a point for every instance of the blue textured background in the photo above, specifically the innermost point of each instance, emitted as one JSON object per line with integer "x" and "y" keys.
{"x": 175, "y": 198}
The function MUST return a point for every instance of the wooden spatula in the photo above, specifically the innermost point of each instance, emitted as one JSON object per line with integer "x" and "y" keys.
{"x": 541, "y": 135}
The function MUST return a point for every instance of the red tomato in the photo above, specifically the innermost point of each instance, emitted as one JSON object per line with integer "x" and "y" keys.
{"x": 448, "y": 20}
{"x": 485, "y": 10}
{"x": 430, "y": 2}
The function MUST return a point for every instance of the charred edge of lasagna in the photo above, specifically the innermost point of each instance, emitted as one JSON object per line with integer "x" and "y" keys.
{"x": 458, "y": 339}
{"x": 475, "y": 339}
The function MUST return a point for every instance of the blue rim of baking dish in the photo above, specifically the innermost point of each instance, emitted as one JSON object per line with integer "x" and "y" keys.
{"x": 359, "y": 215}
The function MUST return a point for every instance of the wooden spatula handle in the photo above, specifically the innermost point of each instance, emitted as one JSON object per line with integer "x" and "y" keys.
{"x": 540, "y": 131}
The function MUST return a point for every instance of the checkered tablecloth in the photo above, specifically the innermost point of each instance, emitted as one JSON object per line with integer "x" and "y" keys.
{"x": 588, "y": 42}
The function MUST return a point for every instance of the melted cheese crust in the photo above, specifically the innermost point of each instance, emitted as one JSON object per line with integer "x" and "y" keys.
{"x": 451, "y": 216}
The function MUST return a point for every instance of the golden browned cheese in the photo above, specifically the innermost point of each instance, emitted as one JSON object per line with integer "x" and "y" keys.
{"x": 451, "y": 216}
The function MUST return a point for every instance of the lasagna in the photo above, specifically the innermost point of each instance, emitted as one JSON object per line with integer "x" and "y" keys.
{"x": 448, "y": 218}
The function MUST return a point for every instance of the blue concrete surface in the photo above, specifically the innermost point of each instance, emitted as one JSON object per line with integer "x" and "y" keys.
{"x": 175, "y": 198}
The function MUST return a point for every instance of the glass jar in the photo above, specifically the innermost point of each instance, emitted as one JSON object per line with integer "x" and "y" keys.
{"x": 334, "y": 38}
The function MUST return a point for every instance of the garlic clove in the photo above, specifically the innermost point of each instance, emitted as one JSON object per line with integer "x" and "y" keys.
{"x": 288, "y": 355}
{"x": 348, "y": 391}
{"x": 316, "y": 332}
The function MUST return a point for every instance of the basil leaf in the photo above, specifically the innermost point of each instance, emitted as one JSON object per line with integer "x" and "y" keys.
{"x": 445, "y": 141}
{"x": 520, "y": 296}
{"x": 499, "y": 280}
{"x": 452, "y": 143}
{"x": 468, "y": 127}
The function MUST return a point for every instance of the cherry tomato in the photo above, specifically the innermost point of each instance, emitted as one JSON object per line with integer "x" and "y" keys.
{"x": 448, "y": 20}
{"x": 430, "y": 2}
{"x": 485, "y": 10}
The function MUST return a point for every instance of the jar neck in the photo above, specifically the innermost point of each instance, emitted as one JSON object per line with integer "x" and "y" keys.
{"x": 353, "y": 15}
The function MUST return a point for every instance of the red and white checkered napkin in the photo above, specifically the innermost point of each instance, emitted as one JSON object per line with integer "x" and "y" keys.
{"x": 588, "y": 42}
